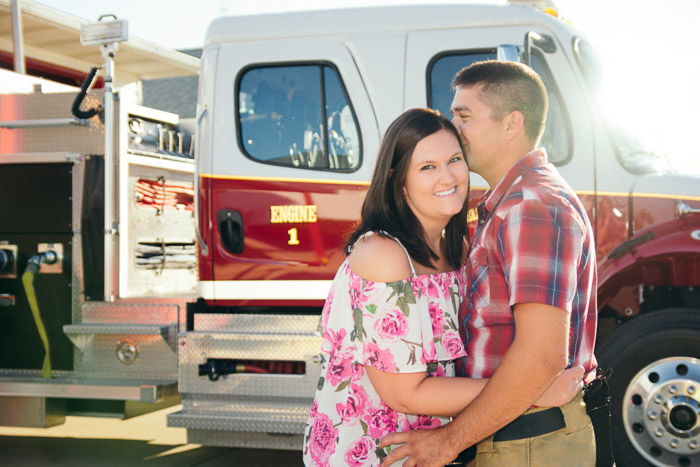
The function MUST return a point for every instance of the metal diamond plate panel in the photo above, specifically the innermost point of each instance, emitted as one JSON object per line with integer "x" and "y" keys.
{"x": 155, "y": 360}
{"x": 254, "y": 337}
{"x": 245, "y": 440}
{"x": 129, "y": 312}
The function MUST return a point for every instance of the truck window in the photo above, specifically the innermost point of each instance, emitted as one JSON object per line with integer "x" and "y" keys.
{"x": 442, "y": 69}
{"x": 556, "y": 138}
{"x": 297, "y": 116}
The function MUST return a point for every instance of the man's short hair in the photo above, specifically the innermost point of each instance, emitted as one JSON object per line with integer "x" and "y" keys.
{"x": 506, "y": 87}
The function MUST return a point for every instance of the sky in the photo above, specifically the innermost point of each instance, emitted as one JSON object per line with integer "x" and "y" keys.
{"x": 650, "y": 50}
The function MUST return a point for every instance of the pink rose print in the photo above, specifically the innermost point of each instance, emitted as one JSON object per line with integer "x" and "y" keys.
{"x": 418, "y": 282}
{"x": 432, "y": 289}
{"x": 380, "y": 421}
{"x": 421, "y": 422}
{"x": 453, "y": 344}
{"x": 339, "y": 367}
{"x": 325, "y": 314}
{"x": 357, "y": 291}
{"x": 358, "y": 371}
{"x": 334, "y": 339}
{"x": 314, "y": 410}
{"x": 379, "y": 358}
{"x": 354, "y": 406}
{"x": 361, "y": 452}
{"x": 437, "y": 318}
{"x": 439, "y": 370}
{"x": 322, "y": 439}
{"x": 391, "y": 325}
{"x": 429, "y": 353}
{"x": 445, "y": 282}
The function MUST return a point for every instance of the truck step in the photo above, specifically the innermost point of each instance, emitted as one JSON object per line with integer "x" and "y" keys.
{"x": 65, "y": 385}
{"x": 270, "y": 419}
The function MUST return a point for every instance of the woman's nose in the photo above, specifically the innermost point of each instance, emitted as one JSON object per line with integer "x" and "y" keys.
{"x": 446, "y": 175}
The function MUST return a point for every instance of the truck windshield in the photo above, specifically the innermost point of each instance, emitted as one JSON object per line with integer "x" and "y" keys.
{"x": 634, "y": 152}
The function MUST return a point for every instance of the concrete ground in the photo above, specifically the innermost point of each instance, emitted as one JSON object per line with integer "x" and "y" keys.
{"x": 106, "y": 442}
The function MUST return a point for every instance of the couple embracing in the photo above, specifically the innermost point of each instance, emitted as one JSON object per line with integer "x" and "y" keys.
{"x": 433, "y": 342}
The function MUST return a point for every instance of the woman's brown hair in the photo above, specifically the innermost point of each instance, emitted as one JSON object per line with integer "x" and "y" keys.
{"x": 385, "y": 207}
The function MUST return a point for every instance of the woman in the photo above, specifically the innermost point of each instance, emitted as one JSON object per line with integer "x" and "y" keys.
{"x": 389, "y": 325}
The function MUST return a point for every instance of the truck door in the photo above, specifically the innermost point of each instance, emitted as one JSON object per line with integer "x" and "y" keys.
{"x": 292, "y": 135}
{"x": 434, "y": 57}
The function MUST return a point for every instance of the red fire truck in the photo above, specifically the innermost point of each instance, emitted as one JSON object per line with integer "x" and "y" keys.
{"x": 290, "y": 112}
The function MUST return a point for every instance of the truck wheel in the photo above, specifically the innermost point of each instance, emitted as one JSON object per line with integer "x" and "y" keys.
{"x": 655, "y": 388}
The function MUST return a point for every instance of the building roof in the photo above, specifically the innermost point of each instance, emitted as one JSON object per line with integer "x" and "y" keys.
{"x": 53, "y": 36}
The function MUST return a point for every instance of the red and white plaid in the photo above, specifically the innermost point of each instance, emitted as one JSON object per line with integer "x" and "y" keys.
{"x": 533, "y": 244}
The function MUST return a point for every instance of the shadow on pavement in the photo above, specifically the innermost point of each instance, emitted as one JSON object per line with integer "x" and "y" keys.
{"x": 39, "y": 451}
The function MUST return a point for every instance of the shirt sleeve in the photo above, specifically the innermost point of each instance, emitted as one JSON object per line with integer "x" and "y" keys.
{"x": 540, "y": 248}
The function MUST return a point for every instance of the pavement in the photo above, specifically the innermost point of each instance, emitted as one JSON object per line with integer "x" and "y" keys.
{"x": 142, "y": 440}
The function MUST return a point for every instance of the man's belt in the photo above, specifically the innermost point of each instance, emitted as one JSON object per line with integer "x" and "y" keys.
{"x": 531, "y": 425}
{"x": 525, "y": 426}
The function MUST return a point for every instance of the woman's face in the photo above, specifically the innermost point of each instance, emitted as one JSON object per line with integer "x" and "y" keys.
{"x": 436, "y": 179}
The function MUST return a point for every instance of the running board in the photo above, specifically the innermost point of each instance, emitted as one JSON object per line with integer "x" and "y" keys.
{"x": 277, "y": 420}
{"x": 65, "y": 386}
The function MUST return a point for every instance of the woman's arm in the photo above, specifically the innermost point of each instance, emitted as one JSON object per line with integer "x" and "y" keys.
{"x": 418, "y": 393}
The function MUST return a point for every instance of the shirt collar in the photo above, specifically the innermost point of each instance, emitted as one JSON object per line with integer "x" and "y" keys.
{"x": 536, "y": 158}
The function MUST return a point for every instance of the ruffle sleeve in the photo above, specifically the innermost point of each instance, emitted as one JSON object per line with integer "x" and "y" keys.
{"x": 395, "y": 327}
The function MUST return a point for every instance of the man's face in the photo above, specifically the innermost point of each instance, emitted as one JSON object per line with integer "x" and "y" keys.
{"x": 482, "y": 136}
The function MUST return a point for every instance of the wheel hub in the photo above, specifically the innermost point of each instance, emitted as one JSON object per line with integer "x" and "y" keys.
{"x": 661, "y": 411}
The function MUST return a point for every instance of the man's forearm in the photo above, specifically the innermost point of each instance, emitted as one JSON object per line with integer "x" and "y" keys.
{"x": 517, "y": 383}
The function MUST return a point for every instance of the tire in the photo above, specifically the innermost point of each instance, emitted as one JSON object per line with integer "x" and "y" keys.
{"x": 655, "y": 388}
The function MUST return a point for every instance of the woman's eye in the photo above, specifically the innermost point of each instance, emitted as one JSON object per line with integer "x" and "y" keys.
{"x": 456, "y": 159}
{"x": 427, "y": 167}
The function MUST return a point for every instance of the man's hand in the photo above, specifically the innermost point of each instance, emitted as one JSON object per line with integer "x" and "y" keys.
{"x": 563, "y": 389}
{"x": 423, "y": 448}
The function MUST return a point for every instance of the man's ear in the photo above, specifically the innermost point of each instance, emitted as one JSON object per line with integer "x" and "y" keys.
{"x": 514, "y": 124}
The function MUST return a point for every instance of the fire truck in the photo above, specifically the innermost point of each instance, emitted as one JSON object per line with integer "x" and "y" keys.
{"x": 290, "y": 111}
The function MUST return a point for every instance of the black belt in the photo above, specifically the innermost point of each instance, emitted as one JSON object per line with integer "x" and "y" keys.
{"x": 532, "y": 424}
{"x": 525, "y": 426}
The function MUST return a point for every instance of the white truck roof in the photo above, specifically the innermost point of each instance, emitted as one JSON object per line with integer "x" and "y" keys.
{"x": 368, "y": 20}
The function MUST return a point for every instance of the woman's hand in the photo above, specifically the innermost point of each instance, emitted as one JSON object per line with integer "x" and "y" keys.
{"x": 563, "y": 389}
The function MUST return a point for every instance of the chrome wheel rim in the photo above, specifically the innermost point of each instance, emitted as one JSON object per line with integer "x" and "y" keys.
{"x": 661, "y": 411}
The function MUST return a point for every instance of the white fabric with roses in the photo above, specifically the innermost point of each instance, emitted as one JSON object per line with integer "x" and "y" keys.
{"x": 404, "y": 326}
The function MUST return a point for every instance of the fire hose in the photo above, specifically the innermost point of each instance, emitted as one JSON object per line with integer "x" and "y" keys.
{"x": 33, "y": 265}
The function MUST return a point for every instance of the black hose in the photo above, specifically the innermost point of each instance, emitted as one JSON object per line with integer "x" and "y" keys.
{"x": 85, "y": 114}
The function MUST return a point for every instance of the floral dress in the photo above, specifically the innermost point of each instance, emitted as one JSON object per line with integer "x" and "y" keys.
{"x": 406, "y": 326}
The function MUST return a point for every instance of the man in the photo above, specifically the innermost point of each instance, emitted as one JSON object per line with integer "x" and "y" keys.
{"x": 531, "y": 307}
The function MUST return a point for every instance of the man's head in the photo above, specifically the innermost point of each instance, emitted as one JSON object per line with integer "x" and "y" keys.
{"x": 499, "y": 107}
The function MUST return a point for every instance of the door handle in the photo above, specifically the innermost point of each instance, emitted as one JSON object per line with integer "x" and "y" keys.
{"x": 231, "y": 230}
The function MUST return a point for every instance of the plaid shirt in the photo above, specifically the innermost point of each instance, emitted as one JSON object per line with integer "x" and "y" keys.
{"x": 533, "y": 244}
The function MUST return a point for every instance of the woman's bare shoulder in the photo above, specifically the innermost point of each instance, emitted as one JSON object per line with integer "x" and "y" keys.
{"x": 379, "y": 259}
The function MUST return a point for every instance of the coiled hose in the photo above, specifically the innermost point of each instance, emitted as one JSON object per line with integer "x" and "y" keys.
{"x": 33, "y": 266}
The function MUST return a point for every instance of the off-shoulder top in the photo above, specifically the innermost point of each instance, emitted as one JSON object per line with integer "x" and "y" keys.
{"x": 405, "y": 326}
